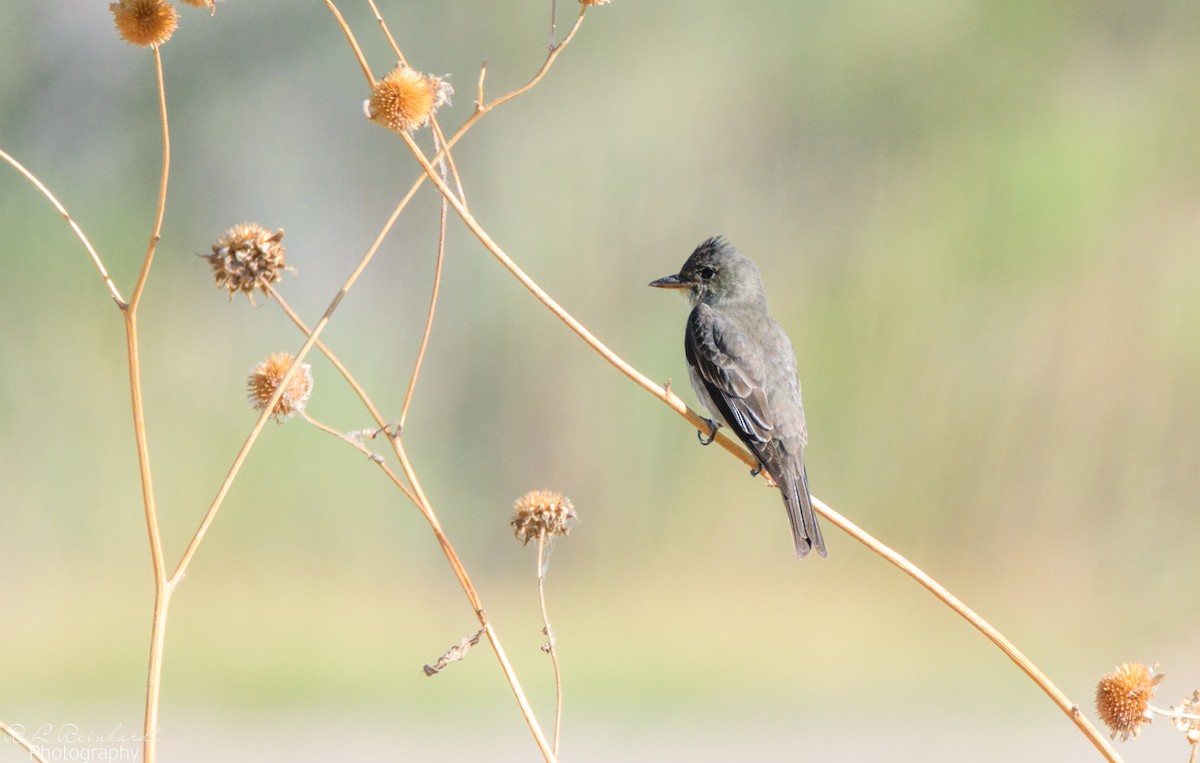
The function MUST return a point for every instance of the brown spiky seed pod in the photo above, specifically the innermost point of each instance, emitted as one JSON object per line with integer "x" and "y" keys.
{"x": 405, "y": 99}
{"x": 1123, "y": 696}
{"x": 542, "y": 513}
{"x": 248, "y": 256}
{"x": 144, "y": 22}
{"x": 265, "y": 378}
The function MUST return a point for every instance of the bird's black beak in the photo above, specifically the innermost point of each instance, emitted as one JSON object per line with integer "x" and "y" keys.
{"x": 671, "y": 282}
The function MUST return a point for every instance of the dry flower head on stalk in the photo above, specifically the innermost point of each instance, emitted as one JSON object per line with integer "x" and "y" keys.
{"x": 246, "y": 257}
{"x": 264, "y": 380}
{"x": 1123, "y": 697}
{"x": 1190, "y": 706}
{"x": 405, "y": 99}
{"x": 542, "y": 513}
{"x": 144, "y": 22}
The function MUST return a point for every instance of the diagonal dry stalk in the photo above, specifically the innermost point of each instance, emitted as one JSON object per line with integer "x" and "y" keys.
{"x": 17, "y": 737}
{"x": 672, "y": 401}
{"x": 99, "y": 263}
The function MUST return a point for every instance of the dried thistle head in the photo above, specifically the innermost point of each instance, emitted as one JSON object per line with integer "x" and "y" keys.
{"x": 265, "y": 378}
{"x": 405, "y": 99}
{"x": 248, "y": 256}
{"x": 1123, "y": 696}
{"x": 542, "y": 513}
{"x": 144, "y": 22}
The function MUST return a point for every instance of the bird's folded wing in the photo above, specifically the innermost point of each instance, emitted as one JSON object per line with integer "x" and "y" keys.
{"x": 732, "y": 370}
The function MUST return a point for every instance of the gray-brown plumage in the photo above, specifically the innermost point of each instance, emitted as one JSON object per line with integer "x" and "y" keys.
{"x": 743, "y": 369}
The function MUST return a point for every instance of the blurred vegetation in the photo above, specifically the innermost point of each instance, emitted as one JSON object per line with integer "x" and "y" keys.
{"x": 978, "y": 220}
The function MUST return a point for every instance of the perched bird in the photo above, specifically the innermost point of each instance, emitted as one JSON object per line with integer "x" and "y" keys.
{"x": 743, "y": 369}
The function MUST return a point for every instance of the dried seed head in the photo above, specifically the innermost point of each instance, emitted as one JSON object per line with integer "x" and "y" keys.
{"x": 264, "y": 380}
{"x": 1123, "y": 696}
{"x": 1190, "y": 726}
{"x": 594, "y": 2}
{"x": 405, "y": 99}
{"x": 144, "y": 22}
{"x": 211, "y": 5}
{"x": 542, "y": 512}
{"x": 248, "y": 256}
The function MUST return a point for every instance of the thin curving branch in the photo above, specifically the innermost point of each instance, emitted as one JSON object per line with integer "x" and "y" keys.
{"x": 156, "y": 234}
{"x": 108, "y": 282}
{"x": 433, "y": 300}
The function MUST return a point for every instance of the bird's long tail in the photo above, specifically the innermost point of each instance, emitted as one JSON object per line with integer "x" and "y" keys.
{"x": 806, "y": 533}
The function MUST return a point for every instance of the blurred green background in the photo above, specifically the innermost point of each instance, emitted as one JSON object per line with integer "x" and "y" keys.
{"x": 979, "y": 221}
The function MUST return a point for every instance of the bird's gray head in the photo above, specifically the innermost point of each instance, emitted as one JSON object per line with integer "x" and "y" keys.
{"x": 716, "y": 273}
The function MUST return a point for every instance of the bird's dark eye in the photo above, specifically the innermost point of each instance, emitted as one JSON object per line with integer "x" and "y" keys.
{"x": 706, "y": 272}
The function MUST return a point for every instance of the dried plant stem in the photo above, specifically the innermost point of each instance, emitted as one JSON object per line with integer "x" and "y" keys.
{"x": 162, "y": 591}
{"x": 481, "y": 108}
{"x": 345, "y": 372}
{"x": 987, "y": 629}
{"x": 108, "y": 282}
{"x": 16, "y": 736}
{"x": 353, "y": 443}
{"x": 362, "y": 60}
{"x": 373, "y": 457}
{"x": 1192, "y": 757}
{"x": 551, "y": 646}
{"x": 433, "y": 299}
{"x": 387, "y": 33}
{"x": 850, "y": 528}
{"x": 162, "y": 187}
